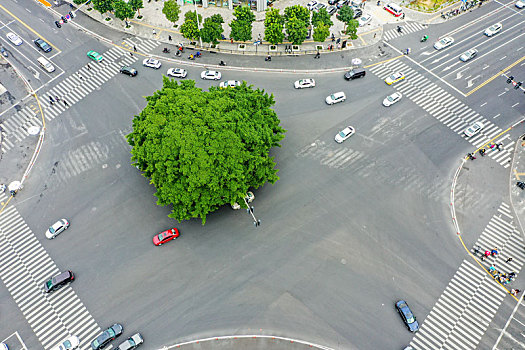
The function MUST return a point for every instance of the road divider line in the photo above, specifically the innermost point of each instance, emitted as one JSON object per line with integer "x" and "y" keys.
{"x": 494, "y": 77}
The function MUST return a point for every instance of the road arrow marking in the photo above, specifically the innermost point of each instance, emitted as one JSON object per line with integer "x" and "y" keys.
{"x": 36, "y": 73}
{"x": 460, "y": 73}
{"x": 471, "y": 81}
{"x": 439, "y": 59}
{"x": 426, "y": 53}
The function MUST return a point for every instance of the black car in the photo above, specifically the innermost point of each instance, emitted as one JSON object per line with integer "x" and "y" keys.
{"x": 332, "y": 2}
{"x": 342, "y": 3}
{"x": 407, "y": 316}
{"x": 331, "y": 10}
{"x": 42, "y": 45}
{"x": 128, "y": 71}
{"x": 108, "y": 335}
{"x": 355, "y": 73}
{"x": 58, "y": 281}
{"x": 357, "y": 13}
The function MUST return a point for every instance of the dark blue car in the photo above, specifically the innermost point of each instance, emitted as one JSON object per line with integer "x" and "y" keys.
{"x": 42, "y": 45}
{"x": 407, "y": 316}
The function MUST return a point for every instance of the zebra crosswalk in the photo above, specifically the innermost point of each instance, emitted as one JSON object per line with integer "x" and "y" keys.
{"x": 468, "y": 304}
{"x": 408, "y": 27}
{"x": 24, "y": 267}
{"x": 445, "y": 108}
{"x": 71, "y": 90}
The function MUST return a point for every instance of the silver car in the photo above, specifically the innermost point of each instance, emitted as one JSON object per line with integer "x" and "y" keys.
{"x": 211, "y": 75}
{"x": 391, "y": 99}
{"x": 177, "y": 73}
{"x": 445, "y": 42}
{"x": 473, "y": 129}
{"x": 131, "y": 343}
{"x": 493, "y": 29}
{"x": 468, "y": 55}
{"x": 57, "y": 228}
{"x": 336, "y": 97}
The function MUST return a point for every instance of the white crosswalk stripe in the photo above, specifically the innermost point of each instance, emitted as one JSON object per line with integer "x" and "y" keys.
{"x": 446, "y": 108}
{"x": 71, "y": 90}
{"x": 407, "y": 28}
{"x": 466, "y": 307}
{"x": 24, "y": 267}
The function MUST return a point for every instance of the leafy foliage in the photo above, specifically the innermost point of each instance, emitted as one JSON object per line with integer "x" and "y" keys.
{"x": 190, "y": 29}
{"x": 299, "y": 12}
{"x": 274, "y": 25}
{"x": 321, "y": 32}
{"x": 212, "y": 29}
{"x": 241, "y": 26}
{"x": 296, "y": 30}
{"x": 171, "y": 10}
{"x": 123, "y": 10}
{"x": 136, "y": 5}
{"x": 346, "y": 14}
{"x": 322, "y": 16}
{"x": 351, "y": 29}
{"x": 103, "y": 6}
{"x": 204, "y": 149}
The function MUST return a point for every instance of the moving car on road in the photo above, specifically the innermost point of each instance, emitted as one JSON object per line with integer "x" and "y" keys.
{"x": 177, "y": 73}
{"x": 407, "y": 316}
{"x": 57, "y": 228}
{"x": 394, "y": 78}
{"x": 468, "y": 55}
{"x": 304, "y": 83}
{"x": 493, "y": 29}
{"x": 473, "y": 129}
{"x": 355, "y": 73}
{"x": 229, "y": 84}
{"x": 344, "y": 134}
{"x": 58, "y": 281}
{"x": 445, "y": 42}
{"x": 131, "y": 343}
{"x": 128, "y": 71}
{"x": 95, "y": 56}
{"x": 391, "y": 99}
{"x": 165, "y": 236}
{"x": 152, "y": 63}
{"x": 15, "y": 39}
{"x": 108, "y": 335}
{"x": 70, "y": 343}
{"x": 520, "y": 4}
{"x": 336, "y": 97}
{"x": 211, "y": 75}
{"x": 42, "y": 45}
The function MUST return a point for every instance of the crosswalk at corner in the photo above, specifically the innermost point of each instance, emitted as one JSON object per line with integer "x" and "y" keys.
{"x": 71, "y": 90}
{"x": 24, "y": 268}
{"x": 407, "y": 28}
{"x": 446, "y": 108}
{"x": 465, "y": 309}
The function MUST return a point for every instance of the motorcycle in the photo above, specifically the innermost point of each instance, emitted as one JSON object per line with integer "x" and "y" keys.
{"x": 222, "y": 63}
{"x": 191, "y": 57}
{"x": 424, "y": 38}
{"x": 166, "y": 50}
{"x": 4, "y": 52}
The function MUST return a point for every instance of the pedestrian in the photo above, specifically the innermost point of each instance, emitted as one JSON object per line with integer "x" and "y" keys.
{"x": 494, "y": 252}
{"x": 403, "y": 16}
{"x": 65, "y": 103}
{"x": 378, "y": 2}
{"x": 514, "y": 291}
{"x": 338, "y": 40}
{"x": 338, "y": 46}
{"x": 483, "y": 257}
{"x": 477, "y": 249}
{"x": 508, "y": 260}
{"x": 154, "y": 32}
{"x": 317, "y": 55}
{"x": 492, "y": 268}
{"x": 79, "y": 76}
{"x": 57, "y": 98}
{"x": 333, "y": 37}
{"x": 231, "y": 40}
{"x": 492, "y": 146}
{"x": 482, "y": 152}
{"x": 51, "y": 99}
{"x": 375, "y": 35}
{"x": 487, "y": 253}
{"x": 131, "y": 54}
{"x": 51, "y": 102}
{"x": 169, "y": 37}
{"x": 499, "y": 145}
{"x": 134, "y": 48}
{"x": 88, "y": 67}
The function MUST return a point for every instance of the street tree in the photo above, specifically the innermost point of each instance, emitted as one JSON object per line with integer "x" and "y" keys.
{"x": 299, "y": 12}
{"x": 212, "y": 29}
{"x": 296, "y": 31}
{"x": 321, "y": 32}
{"x": 190, "y": 29}
{"x": 205, "y": 149}
{"x": 351, "y": 29}
{"x": 273, "y": 26}
{"x": 241, "y": 26}
{"x": 346, "y": 14}
{"x": 103, "y": 6}
{"x": 322, "y": 16}
{"x": 123, "y": 10}
{"x": 136, "y": 5}
{"x": 171, "y": 10}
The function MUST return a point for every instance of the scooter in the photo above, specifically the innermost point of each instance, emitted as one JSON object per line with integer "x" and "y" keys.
{"x": 424, "y": 38}
{"x": 222, "y": 63}
{"x": 166, "y": 50}
{"x": 4, "y": 52}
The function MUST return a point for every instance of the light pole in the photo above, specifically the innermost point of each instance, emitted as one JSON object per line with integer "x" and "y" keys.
{"x": 250, "y": 210}
{"x": 198, "y": 22}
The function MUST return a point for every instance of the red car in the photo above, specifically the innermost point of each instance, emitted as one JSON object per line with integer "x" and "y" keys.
{"x": 166, "y": 236}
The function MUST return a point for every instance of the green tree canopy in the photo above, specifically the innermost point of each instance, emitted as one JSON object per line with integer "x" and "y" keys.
{"x": 171, "y": 10}
{"x": 212, "y": 29}
{"x": 204, "y": 149}
{"x": 296, "y": 30}
{"x": 299, "y": 12}
{"x": 136, "y": 5}
{"x": 322, "y": 16}
{"x": 123, "y": 10}
{"x": 351, "y": 29}
{"x": 241, "y": 26}
{"x": 321, "y": 32}
{"x": 273, "y": 26}
{"x": 346, "y": 14}
{"x": 103, "y": 6}
{"x": 190, "y": 29}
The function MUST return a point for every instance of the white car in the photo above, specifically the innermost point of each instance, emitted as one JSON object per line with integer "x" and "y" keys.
{"x": 336, "y": 97}
{"x": 364, "y": 19}
{"x": 473, "y": 129}
{"x": 3, "y": 346}
{"x": 229, "y": 83}
{"x": 57, "y": 228}
{"x": 445, "y": 42}
{"x": 132, "y": 342}
{"x": 520, "y": 4}
{"x": 311, "y": 5}
{"x": 493, "y": 29}
{"x": 152, "y": 63}
{"x": 211, "y": 75}
{"x": 304, "y": 83}
{"x": 468, "y": 55}
{"x": 68, "y": 344}
{"x": 319, "y": 6}
{"x": 344, "y": 134}
{"x": 15, "y": 39}
{"x": 177, "y": 73}
{"x": 391, "y": 99}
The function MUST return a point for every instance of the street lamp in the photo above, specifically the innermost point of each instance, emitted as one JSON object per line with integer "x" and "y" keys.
{"x": 198, "y": 22}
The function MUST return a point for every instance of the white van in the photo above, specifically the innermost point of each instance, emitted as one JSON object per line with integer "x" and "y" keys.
{"x": 45, "y": 64}
{"x": 394, "y": 9}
